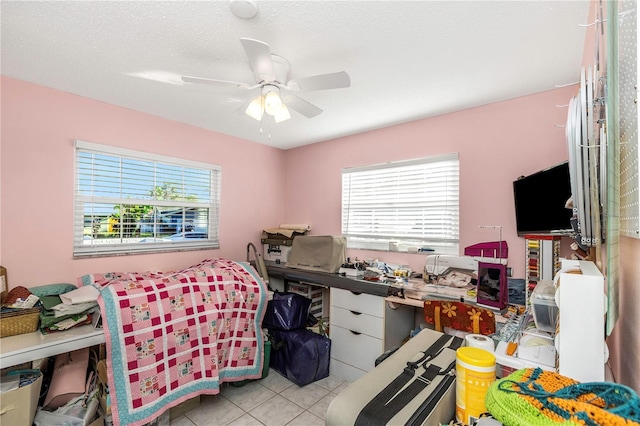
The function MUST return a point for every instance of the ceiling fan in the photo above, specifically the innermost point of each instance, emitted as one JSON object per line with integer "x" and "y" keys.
{"x": 271, "y": 73}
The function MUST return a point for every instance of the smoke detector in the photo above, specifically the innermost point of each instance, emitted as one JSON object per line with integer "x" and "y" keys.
{"x": 244, "y": 9}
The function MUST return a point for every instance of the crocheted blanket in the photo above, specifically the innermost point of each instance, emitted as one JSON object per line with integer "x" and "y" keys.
{"x": 172, "y": 336}
{"x": 530, "y": 397}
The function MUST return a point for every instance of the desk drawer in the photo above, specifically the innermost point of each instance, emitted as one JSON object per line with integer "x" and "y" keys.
{"x": 345, "y": 371}
{"x": 362, "y": 302}
{"x": 354, "y": 321}
{"x": 358, "y": 350}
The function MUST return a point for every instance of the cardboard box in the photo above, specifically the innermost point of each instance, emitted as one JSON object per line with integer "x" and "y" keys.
{"x": 18, "y": 407}
{"x": 97, "y": 422}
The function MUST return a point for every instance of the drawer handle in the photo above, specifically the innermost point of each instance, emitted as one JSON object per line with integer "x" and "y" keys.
{"x": 355, "y": 332}
{"x": 355, "y": 313}
{"x": 356, "y": 293}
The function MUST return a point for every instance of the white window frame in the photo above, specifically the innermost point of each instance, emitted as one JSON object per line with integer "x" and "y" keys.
{"x": 87, "y": 247}
{"x": 403, "y": 206}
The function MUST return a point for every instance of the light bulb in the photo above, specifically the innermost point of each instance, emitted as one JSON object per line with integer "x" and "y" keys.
{"x": 282, "y": 115}
{"x": 254, "y": 110}
{"x": 272, "y": 103}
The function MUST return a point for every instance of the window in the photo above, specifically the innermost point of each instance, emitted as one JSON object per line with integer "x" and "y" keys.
{"x": 130, "y": 202}
{"x": 403, "y": 205}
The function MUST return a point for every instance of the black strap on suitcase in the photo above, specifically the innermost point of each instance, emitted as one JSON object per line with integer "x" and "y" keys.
{"x": 427, "y": 406}
{"x": 386, "y": 404}
{"x": 398, "y": 383}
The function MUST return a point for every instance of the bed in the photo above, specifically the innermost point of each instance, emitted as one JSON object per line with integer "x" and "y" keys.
{"x": 172, "y": 336}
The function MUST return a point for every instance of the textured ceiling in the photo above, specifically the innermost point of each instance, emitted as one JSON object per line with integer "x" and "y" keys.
{"x": 407, "y": 59}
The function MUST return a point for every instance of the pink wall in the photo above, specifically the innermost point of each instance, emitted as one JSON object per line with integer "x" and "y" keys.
{"x": 39, "y": 126}
{"x": 497, "y": 143}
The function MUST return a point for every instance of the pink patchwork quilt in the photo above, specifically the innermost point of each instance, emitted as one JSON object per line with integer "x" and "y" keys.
{"x": 172, "y": 336}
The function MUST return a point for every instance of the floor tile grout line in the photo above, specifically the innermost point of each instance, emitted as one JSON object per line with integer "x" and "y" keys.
{"x": 328, "y": 389}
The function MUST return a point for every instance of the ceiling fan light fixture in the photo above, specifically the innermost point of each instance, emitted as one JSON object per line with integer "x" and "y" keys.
{"x": 282, "y": 115}
{"x": 254, "y": 109}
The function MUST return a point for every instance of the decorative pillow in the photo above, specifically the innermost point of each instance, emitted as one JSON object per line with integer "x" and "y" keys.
{"x": 52, "y": 289}
{"x": 531, "y": 396}
{"x": 459, "y": 316}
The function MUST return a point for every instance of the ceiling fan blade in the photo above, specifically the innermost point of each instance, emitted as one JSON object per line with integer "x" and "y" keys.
{"x": 302, "y": 106}
{"x": 336, "y": 80}
{"x": 260, "y": 59}
{"x": 199, "y": 80}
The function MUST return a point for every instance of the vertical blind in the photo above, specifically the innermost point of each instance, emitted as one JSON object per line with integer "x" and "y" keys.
{"x": 128, "y": 201}
{"x": 413, "y": 203}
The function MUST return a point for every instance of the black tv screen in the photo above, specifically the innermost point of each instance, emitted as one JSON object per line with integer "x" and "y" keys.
{"x": 540, "y": 201}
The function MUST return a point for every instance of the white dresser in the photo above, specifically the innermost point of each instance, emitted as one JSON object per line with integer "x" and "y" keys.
{"x": 362, "y": 327}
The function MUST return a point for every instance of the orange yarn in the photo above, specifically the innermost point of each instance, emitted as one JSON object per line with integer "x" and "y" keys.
{"x": 536, "y": 397}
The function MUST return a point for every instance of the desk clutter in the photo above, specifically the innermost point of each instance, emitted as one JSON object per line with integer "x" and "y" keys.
{"x": 539, "y": 372}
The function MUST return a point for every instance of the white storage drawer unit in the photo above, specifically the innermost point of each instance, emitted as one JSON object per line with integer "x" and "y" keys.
{"x": 357, "y": 322}
{"x": 362, "y": 327}
{"x": 354, "y": 350}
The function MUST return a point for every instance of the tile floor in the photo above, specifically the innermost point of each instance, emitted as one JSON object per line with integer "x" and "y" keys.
{"x": 271, "y": 401}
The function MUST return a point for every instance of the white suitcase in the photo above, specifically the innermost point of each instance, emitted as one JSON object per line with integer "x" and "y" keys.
{"x": 434, "y": 401}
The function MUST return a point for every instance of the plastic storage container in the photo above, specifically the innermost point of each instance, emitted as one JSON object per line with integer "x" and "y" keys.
{"x": 475, "y": 371}
{"x": 543, "y": 306}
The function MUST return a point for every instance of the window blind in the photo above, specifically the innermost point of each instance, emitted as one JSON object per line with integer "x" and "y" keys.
{"x": 412, "y": 203}
{"x": 130, "y": 202}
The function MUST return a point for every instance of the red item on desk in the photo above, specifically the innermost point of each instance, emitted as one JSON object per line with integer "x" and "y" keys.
{"x": 459, "y": 316}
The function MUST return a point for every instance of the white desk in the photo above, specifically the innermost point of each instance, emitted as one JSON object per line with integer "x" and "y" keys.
{"x": 15, "y": 350}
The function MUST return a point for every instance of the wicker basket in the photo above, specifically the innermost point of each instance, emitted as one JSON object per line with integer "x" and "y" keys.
{"x": 19, "y": 322}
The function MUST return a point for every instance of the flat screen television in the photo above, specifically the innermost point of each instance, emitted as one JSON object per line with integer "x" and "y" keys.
{"x": 540, "y": 201}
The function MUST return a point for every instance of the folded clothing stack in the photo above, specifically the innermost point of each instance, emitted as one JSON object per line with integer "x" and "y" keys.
{"x": 65, "y": 306}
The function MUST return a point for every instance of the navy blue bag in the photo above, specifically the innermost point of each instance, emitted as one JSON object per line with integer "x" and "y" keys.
{"x": 301, "y": 356}
{"x": 286, "y": 311}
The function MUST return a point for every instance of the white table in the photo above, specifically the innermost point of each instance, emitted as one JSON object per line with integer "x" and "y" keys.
{"x": 28, "y": 347}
